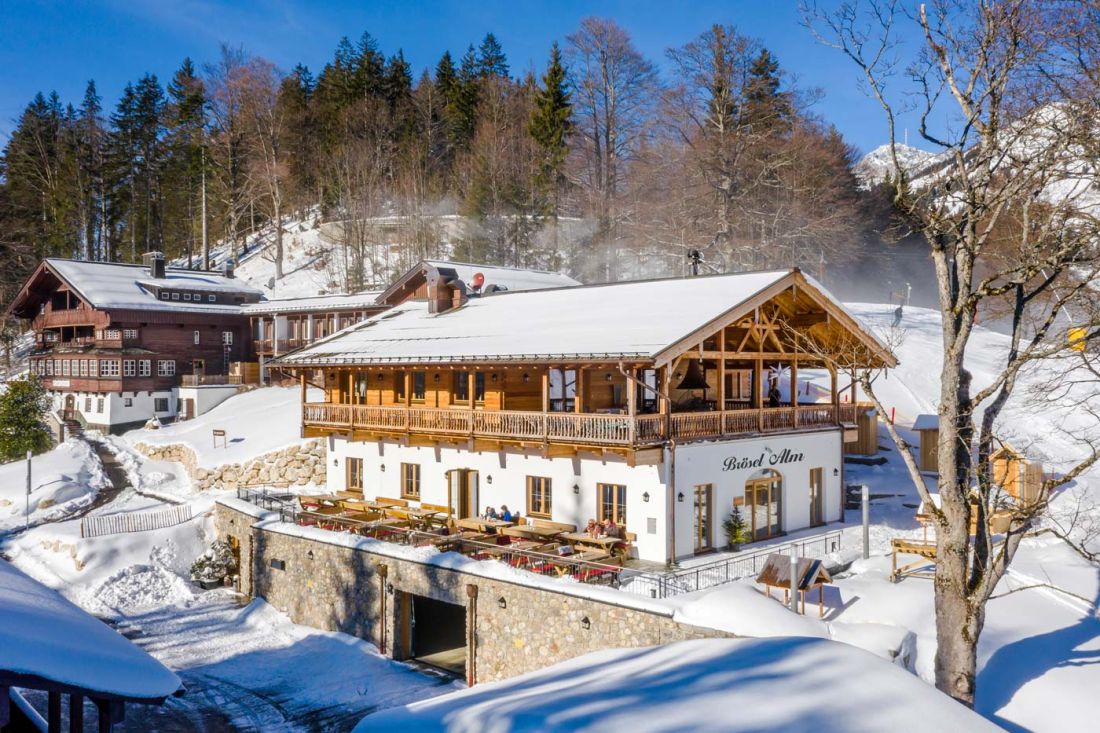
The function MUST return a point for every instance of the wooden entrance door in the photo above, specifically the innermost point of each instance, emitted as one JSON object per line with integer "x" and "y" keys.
{"x": 764, "y": 505}
{"x": 704, "y": 495}
{"x": 462, "y": 490}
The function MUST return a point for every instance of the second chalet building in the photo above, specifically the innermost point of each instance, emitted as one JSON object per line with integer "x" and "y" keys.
{"x": 659, "y": 404}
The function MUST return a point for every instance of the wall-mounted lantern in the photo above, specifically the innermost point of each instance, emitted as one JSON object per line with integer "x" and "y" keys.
{"x": 576, "y": 489}
{"x": 489, "y": 478}
{"x": 502, "y": 603}
{"x": 585, "y": 623}
{"x": 836, "y": 472}
{"x": 680, "y": 497}
{"x": 645, "y": 497}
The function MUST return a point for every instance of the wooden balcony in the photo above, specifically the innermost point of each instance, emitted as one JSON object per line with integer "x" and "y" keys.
{"x": 572, "y": 428}
{"x": 199, "y": 380}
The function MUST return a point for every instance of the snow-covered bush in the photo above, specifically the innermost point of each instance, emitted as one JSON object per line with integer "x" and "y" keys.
{"x": 212, "y": 566}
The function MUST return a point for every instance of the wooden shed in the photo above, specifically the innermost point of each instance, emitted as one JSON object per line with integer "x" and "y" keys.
{"x": 866, "y": 442}
{"x": 1016, "y": 475}
{"x": 929, "y": 428}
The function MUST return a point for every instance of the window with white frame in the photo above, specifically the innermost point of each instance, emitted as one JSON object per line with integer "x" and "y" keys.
{"x": 93, "y": 367}
{"x": 109, "y": 367}
{"x": 99, "y": 405}
{"x": 112, "y": 334}
{"x": 164, "y": 295}
{"x": 211, "y": 298}
{"x": 49, "y": 367}
{"x": 83, "y": 367}
{"x": 145, "y": 368}
{"x": 197, "y": 337}
{"x": 175, "y": 296}
{"x": 129, "y": 368}
{"x": 65, "y": 368}
{"x": 129, "y": 333}
{"x": 166, "y": 368}
{"x": 227, "y": 338}
{"x": 127, "y": 401}
{"x": 187, "y": 296}
{"x": 87, "y": 404}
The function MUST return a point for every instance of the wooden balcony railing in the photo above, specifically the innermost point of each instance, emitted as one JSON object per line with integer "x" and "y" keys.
{"x": 197, "y": 380}
{"x": 566, "y": 427}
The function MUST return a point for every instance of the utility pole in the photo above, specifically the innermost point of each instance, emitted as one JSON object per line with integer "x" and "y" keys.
{"x": 866, "y": 496}
{"x": 27, "y": 524}
{"x": 205, "y": 241}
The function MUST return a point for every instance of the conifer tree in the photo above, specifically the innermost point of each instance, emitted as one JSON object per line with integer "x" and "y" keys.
{"x": 23, "y": 407}
{"x": 185, "y": 143}
{"x": 549, "y": 126}
{"x": 491, "y": 60}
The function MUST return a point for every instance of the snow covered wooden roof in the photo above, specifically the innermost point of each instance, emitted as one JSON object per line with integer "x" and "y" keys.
{"x": 43, "y": 636}
{"x": 316, "y": 303}
{"x": 113, "y": 285}
{"x": 639, "y": 321}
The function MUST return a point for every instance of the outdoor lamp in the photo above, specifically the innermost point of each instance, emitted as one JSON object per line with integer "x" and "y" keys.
{"x": 502, "y": 603}
{"x": 382, "y": 467}
{"x": 526, "y": 377}
{"x": 680, "y": 497}
{"x": 585, "y": 623}
{"x": 645, "y": 497}
{"x": 336, "y": 461}
{"x": 379, "y": 376}
{"x": 489, "y": 478}
{"x": 576, "y": 489}
{"x": 607, "y": 376}
{"x": 435, "y": 377}
{"x": 310, "y": 554}
{"x": 836, "y": 472}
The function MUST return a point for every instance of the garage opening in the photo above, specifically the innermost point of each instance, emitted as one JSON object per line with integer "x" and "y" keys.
{"x": 437, "y": 634}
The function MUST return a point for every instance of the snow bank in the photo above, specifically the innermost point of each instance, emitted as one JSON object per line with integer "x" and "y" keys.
{"x": 742, "y": 609}
{"x": 780, "y": 684}
{"x": 62, "y": 481}
{"x": 43, "y": 634}
{"x": 256, "y": 422}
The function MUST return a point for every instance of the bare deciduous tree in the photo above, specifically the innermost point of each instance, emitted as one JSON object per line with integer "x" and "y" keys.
{"x": 1011, "y": 231}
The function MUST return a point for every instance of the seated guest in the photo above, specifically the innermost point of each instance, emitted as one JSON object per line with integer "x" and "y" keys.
{"x": 609, "y": 528}
{"x": 504, "y": 514}
{"x": 592, "y": 529}
{"x": 490, "y": 513}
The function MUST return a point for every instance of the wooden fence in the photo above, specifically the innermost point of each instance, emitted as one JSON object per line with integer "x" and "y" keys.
{"x": 105, "y": 524}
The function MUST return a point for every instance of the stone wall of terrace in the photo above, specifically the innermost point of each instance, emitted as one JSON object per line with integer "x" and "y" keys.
{"x": 511, "y": 627}
{"x": 295, "y": 465}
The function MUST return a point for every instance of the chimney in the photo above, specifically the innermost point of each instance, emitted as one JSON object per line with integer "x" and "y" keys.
{"x": 444, "y": 293}
{"x": 155, "y": 262}
{"x": 227, "y": 268}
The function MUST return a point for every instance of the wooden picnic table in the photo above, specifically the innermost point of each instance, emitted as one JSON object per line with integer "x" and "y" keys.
{"x": 528, "y": 531}
{"x": 428, "y": 516}
{"x": 583, "y": 538}
{"x": 483, "y": 525}
{"x": 330, "y": 499}
{"x": 358, "y": 505}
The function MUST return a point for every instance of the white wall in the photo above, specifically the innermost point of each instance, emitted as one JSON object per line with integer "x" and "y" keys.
{"x": 206, "y": 397}
{"x": 509, "y": 473}
{"x": 710, "y": 463}
{"x": 115, "y": 411}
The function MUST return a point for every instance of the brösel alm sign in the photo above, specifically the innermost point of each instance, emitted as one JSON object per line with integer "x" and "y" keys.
{"x": 767, "y": 458}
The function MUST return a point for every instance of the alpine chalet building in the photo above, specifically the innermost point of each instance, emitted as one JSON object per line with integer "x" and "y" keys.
{"x": 661, "y": 404}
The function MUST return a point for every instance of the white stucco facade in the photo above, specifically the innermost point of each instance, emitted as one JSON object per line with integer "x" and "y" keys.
{"x": 501, "y": 479}
{"x": 110, "y": 409}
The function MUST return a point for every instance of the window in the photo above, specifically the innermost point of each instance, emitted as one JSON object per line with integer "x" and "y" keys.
{"x": 538, "y": 496}
{"x": 612, "y": 503}
{"x": 127, "y": 401}
{"x": 175, "y": 296}
{"x": 109, "y": 368}
{"x": 65, "y": 368}
{"x": 164, "y": 295}
{"x": 129, "y": 368}
{"x": 462, "y": 386}
{"x": 211, "y": 298}
{"x": 410, "y": 481}
{"x": 87, "y": 404}
{"x": 227, "y": 338}
{"x": 83, "y": 367}
{"x": 93, "y": 367}
{"x": 129, "y": 333}
{"x": 197, "y": 339}
{"x": 145, "y": 368}
{"x": 99, "y": 405}
{"x": 112, "y": 334}
{"x": 399, "y": 387}
{"x": 419, "y": 380}
{"x": 198, "y": 297}
{"x": 479, "y": 387}
{"x": 166, "y": 368}
{"x": 49, "y": 367}
{"x": 355, "y": 474}
{"x": 187, "y": 296}
{"x": 160, "y": 404}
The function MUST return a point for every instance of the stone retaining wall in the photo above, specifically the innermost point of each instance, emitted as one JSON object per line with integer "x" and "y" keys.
{"x": 511, "y": 628}
{"x": 296, "y": 465}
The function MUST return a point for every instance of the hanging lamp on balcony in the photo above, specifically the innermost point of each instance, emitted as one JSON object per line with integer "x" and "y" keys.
{"x": 694, "y": 377}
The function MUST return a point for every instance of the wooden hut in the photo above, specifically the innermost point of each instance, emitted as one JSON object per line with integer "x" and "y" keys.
{"x": 1016, "y": 475}
{"x": 866, "y": 433}
{"x": 929, "y": 428}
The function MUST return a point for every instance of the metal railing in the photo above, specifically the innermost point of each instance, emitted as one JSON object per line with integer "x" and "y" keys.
{"x": 727, "y": 569}
{"x": 639, "y": 582}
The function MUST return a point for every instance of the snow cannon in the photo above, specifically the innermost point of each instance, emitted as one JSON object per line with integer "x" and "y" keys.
{"x": 477, "y": 281}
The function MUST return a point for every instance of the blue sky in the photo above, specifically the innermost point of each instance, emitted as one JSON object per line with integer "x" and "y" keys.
{"x": 47, "y": 45}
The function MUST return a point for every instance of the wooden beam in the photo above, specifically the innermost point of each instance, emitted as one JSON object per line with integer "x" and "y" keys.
{"x": 546, "y": 391}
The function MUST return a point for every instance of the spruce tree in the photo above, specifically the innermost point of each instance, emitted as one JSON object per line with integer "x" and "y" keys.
{"x": 549, "y": 126}
{"x": 491, "y": 60}
{"x": 23, "y": 428}
{"x": 185, "y": 159}
{"x": 766, "y": 108}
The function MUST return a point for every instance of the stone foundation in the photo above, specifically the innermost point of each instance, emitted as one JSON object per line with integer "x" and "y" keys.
{"x": 337, "y": 588}
{"x": 296, "y": 465}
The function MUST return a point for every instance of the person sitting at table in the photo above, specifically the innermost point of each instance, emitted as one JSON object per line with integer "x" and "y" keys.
{"x": 609, "y": 528}
{"x": 490, "y": 513}
{"x": 504, "y": 515}
{"x": 592, "y": 529}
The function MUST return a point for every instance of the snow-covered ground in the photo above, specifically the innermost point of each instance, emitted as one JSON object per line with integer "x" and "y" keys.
{"x": 62, "y": 481}
{"x": 256, "y": 422}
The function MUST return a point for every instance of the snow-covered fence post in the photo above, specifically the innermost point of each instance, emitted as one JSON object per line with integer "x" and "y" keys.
{"x": 866, "y": 497}
{"x": 794, "y": 580}
{"x": 28, "y": 519}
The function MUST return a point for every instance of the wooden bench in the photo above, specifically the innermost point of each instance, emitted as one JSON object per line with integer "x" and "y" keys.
{"x": 390, "y": 502}
{"x": 559, "y": 526}
{"x": 435, "y": 507}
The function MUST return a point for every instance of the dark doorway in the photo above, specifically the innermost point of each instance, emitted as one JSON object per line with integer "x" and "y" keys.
{"x": 438, "y": 634}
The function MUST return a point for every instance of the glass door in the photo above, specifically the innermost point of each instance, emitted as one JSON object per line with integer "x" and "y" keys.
{"x": 702, "y": 530}
{"x": 764, "y": 505}
{"x": 817, "y": 497}
{"x": 462, "y": 493}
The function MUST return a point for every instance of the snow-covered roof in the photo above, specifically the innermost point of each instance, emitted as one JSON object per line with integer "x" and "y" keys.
{"x": 629, "y": 320}
{"x": 507, "y": 278}
{"x": 122, "y": 286}
{"x": 45, "y": 635}
{"x": 774, "y": 684}
{"x": 314, "y": 303}
{"x": 927, "y": 422}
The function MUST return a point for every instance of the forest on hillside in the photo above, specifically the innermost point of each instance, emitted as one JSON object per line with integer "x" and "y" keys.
{"x": 604, "y": 164}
